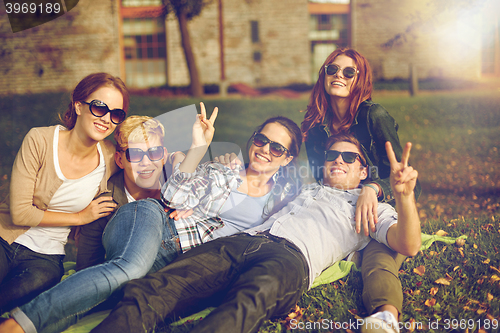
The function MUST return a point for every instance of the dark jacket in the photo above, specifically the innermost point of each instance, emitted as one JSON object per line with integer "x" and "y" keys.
{"x": 90, "y": 249}
{"x": 372, "y": 126}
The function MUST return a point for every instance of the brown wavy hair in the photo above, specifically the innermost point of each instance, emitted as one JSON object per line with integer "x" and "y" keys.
{"x": 319, "y": 104}
{"x": 86, "y": 87}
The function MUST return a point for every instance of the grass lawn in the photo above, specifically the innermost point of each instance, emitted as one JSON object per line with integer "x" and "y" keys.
{"x": 456, "y": 139}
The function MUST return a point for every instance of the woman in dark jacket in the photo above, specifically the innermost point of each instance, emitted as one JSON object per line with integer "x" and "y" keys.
{"x": 341, "y": 102}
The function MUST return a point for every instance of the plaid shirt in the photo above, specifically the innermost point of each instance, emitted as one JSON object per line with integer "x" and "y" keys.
{"x": 205, "y": 191}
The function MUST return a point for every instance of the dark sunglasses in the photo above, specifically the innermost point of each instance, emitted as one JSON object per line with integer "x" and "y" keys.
{"x": 135, "y": 155}
{"x": 347, "y": 156}
{"x": 100, "y": 109}
{"x": 276, "y": 149}
{"x": 349, "y": 72}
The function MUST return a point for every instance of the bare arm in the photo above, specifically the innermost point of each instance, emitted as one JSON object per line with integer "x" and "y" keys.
{"x": 404, "y": 237}
{"x": 203, "y": 133}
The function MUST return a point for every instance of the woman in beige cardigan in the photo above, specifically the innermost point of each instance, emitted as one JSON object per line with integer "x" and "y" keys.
{"x": 56, "y": 175}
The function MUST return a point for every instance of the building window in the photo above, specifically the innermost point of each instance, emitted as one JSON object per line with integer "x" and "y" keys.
{"x": 145, "y": 51}
{"x": 141, "y": 3}
{"x": 324, "y": 22}
{"x": 254, "y": 26}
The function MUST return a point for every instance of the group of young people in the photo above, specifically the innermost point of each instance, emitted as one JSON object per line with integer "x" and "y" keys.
{"x": 246, "y": 239}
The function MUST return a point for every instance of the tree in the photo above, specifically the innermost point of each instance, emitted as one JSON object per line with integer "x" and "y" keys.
{"x": 185, "y": 10}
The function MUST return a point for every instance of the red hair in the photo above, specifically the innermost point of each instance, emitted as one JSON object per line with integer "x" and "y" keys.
{"x": 319, "y": 104}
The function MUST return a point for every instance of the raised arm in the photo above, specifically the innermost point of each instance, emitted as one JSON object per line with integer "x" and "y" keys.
{"x": 404, "y": 237}
{"x": 203, "y": 133}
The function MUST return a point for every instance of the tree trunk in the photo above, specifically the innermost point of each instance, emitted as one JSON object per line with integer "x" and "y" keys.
{"x": 196, "y": 89}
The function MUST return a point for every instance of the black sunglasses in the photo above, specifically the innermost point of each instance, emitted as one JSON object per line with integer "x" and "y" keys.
{"x": 347, "y": 156}
{"x": 349, "y": 72}
{"x": 100, "y": 109}
{"x": 276, "y": 149}
{"x": 135, "y": 155}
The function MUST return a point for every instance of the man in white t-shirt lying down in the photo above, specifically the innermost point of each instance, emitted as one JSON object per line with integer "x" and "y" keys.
{"x": 262, "y": 273}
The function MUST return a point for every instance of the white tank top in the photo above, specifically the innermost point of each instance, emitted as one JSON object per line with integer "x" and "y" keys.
{"x": 71, "y": 197}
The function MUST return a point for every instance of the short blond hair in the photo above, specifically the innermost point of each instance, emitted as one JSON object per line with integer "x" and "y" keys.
{"x": 138, "y": 129}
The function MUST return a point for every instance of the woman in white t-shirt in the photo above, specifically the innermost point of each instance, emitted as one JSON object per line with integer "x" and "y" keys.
{"x": 56, "y": 175}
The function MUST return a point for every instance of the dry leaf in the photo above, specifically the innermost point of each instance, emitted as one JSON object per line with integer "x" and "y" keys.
{"x": 430, "y": 302}
{"x": 494, "y": 278}
{"x": 489, "y": 297}
{"x": 433, "y": 291}
{"x": 495, "y": 269}
{"x": 448, "y": 277}
{"x": 474, "y": 245}
{"x": 487, "y": 261}
{"x": 417, "y": 292}
{"x": 455, "y": 268}
{"x": 481, "y": 331}
{"x": 461, "y": 250}
{"x": 480, "y": 311}
{"x": 441, "y": 233}
{"x": 442, "y": 281}
{"x": 432, "y": 253}
{"x": 420, "y": 270}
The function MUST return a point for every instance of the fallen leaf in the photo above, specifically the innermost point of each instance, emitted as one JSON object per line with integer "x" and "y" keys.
{"x": 487, "y": 261}
{"x": 475, "y": 246}
{"x": 480, "y": 311}
{"x": 495, "y": 269}
{"x": 420, "y": 270}
{"x": 448, "y": 277}
{"x": 461, "y": 250}
{"x": 441, "y": 233}
{"x": 417, "y": 292}
{"x": 489, "y": 297}
{"x": 494, "y": 278}
{"x": 430, "y": 302}
{"x": 442, "y": 281}
{"x": 433, "y": 291}
{"x": 455, "y": 268}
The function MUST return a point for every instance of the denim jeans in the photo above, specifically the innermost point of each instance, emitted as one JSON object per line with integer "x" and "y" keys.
{"x": 139, "y": 234}
{"x": 25, "y": 273}
{"x": 249, "y": 278}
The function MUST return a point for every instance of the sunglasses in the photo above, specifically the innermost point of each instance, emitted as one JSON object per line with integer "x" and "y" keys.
{"x": 100, "y": 109}
{"x": 347, "y": 156}
{"x": 135, "y": 155}
{"x": 348, "y": 72}
{"x": 276, "y": 149}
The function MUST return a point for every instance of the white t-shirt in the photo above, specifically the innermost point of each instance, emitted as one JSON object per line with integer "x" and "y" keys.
{"x": 71, "y": 197}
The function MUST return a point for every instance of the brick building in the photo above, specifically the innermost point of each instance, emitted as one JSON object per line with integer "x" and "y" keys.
{"x": 265, "y": 42}
{"x": 56, "y": 55}
{"x": 440, "y": 38}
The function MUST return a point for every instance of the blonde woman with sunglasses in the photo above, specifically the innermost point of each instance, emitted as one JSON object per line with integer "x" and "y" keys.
{"x": 341, "y": 102}
{"x": 56, "y": 175}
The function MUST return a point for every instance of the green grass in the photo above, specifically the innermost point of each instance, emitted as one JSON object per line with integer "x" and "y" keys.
{"x": 456, "y": 139}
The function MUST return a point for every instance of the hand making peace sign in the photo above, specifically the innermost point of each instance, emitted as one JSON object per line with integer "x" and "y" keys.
{"x": 403, "y": 177}
{"x": 203, "y": 128}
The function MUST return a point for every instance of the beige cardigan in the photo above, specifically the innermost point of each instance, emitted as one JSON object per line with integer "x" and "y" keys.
{"x": 34, "y": 181}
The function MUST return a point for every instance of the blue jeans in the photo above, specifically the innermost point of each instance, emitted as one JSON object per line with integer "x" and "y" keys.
{"x": 138, "y": 237}
{"x": 24, "y": 274}
{"x": 249, "y": 278}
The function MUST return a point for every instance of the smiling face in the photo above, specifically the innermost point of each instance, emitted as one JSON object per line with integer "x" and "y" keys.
{"x": 340, "y": 174}
{"x": 261, "y": 159}
{"x": 144, "y": 175}
{"x": 337, "y": 85}
{"x": 98, "y": 128}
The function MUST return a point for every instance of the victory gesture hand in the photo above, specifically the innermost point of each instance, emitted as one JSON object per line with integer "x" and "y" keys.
{"x": 203, "y": 128}
{"x": 403, "y": 176}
